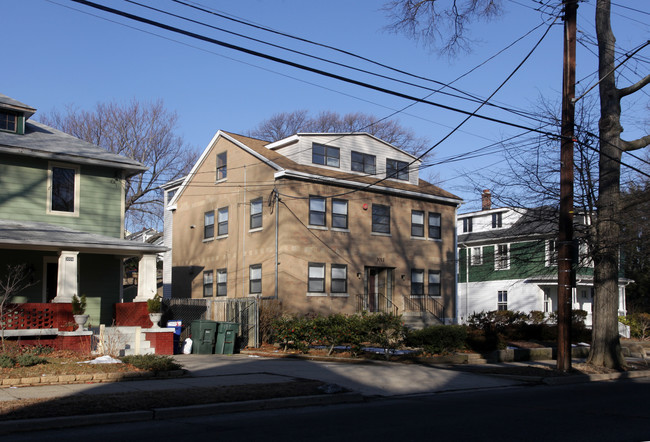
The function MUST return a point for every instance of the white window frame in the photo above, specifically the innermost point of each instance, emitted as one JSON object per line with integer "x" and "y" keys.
{"x": 436, "y": 217}
{"x": 220, "y": 222}
{"x": 342, "y": 268}
{"x": 501, "y": 263}
{"x": 476, "y": 256}
{"x": 316, "y": 274}
{"x": 256, "y": 213}
{"x": 222, "y": 168}
{"x": 502, "y": 300}
{"x": 254, "y": 271}
{"x": 430, "y": 284}
{"x": 551, "y": 252}
{"x": 77, "y": 190}
{"x": 208, "y": 281}
{"x": 317, "y": 200}
{"x": 417, "y": 223}
{"x": 222, "y": 281}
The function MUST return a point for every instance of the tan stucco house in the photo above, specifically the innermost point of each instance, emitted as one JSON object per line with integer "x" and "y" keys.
{"x": 323, "y": 222}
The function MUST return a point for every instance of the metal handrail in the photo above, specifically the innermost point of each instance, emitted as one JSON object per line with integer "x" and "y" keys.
{"x": 424, "y": 304}
{"x": 382, "y": 304}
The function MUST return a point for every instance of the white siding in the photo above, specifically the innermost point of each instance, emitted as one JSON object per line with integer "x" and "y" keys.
{"x": 300, "y": 152}
{"x": 482, "y": 221}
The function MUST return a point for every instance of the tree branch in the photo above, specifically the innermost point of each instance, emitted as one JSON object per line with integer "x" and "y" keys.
{"x": 635, "y": 87}
{"x": 637, "y": 144}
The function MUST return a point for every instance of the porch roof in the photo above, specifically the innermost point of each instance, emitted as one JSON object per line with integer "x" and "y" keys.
{"x": 43, "y": 236}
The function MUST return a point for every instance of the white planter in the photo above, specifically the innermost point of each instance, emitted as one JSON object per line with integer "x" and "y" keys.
{"x": 155, "y": 318}
{"x": 81, "y": 321}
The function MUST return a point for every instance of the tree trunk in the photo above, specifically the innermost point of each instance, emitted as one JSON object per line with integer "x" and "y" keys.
{"x": 606, "y": 346}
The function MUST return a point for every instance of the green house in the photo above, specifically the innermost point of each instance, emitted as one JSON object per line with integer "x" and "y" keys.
{"x": 62, "y": 216}
{"x": 507, "y": 260}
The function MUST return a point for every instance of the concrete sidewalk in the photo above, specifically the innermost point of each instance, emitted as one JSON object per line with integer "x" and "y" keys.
{"x": 364, "y": 380}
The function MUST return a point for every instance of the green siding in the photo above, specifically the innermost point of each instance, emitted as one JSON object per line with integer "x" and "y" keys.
{"x": 24, "y": 196}
{"x": 527, "y": 259}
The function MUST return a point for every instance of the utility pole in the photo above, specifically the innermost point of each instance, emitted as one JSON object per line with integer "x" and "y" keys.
{"x": 565, "y": 250}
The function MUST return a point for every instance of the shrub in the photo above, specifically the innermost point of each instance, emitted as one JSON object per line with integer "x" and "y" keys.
{"x": 38, "y": 350}
{"x": 270, "y": 310}
{"x": 152, "y": 362}
{"x": 7, "y": 361}
{"x": 78, "y": 305}
{"x": 28, "y": 360}
{"x": 295, "y": 332}
{"x": 154, "y": 304}
{"x": 438, "y": 338}
{"x": 385, "y": 330}
{"x": 639, "y": 325}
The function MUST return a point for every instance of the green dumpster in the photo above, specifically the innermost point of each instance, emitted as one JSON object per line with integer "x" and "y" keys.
{"x": 226, "y": 338}
{"x": 204, "y": 333}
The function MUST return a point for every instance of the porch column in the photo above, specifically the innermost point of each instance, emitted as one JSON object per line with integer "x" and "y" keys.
{"x": 147, "y": 284}
{"x": 66, "y": 285}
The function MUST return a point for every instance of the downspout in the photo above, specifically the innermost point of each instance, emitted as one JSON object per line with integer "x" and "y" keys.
{"x": 277, "y": 225}
{"x": 243, "y": 244}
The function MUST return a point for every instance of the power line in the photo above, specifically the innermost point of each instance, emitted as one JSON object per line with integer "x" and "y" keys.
{"x": 300, "y": 66}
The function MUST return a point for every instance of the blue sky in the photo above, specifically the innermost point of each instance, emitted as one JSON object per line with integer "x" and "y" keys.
{"x": 65, "y": 53}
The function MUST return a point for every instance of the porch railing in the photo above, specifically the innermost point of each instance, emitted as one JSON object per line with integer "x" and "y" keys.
{"x": 376, "y": 303}
{"x": 424, "y": 304}
{"x": 36, "y": 316}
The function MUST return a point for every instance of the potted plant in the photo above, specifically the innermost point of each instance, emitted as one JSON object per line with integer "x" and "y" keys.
{"x": 78, "y": 311}
{"x": 154, "y": 307}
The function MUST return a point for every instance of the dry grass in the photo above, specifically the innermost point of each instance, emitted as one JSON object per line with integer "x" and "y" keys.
{"x": 148, "y": 400}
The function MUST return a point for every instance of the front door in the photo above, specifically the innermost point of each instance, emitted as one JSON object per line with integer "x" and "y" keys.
{"x": 379, "y": 289}
{"x": 51, "y": 278}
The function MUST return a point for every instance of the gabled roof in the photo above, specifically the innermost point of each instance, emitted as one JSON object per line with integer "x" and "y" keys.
{"x": 45, "y": 142}
{"x": 534, "y": 223}
{"x": 286, "y": 168}
{"x": 15, "y": 105}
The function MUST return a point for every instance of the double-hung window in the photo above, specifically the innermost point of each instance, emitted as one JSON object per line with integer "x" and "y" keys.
{"x": 317, "y": 211}
{"x": 363, "y": 162}
{"x": 397, "y": 169}
{"x": 255, "y": 279}
{"x": 434, "y": 225}
{"x": 339, "y": 281}
{"x": 380, "y": 218}
{"x": 497, "y": 220}
{"x": 502, "y": 257}
{"x": 417, "y": 223}
{"x": 222, "y": 166}
{"x": 325, "y": 155}
{"x": 207, "y": 283}
{"x": 551, "y": 253}
{"x": 476, "y": 256}
{"x": 316, "y": 278}
{"x": 222, "y": 282}
{"x": 502, "y": 300}
{"x": 417, "y": 282}
{"x": 339, "y": 214}
{"x": 222, "y": 221}
{"x": 434, "y": 283}
{"x": 256, "y": 213}
{"x": 467, "y": 225}
{"x": 63, "y": 189}
{"x": 208, "y": 225}
{"x": 8, "y": 121}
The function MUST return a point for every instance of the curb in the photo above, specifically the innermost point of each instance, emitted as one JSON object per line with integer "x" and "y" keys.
{"x": 29, "y": 425}
{"x": 579, "y": 379}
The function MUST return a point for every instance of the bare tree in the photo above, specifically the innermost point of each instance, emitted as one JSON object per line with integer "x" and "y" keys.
{"x": 606, "y": 349}
{"x": 17, "y": 278}
{"x": 284, "y": 124}
{"x": 424, "y": 18}
{"x": 142, "y": 131}
{"x": 434, "y": 22}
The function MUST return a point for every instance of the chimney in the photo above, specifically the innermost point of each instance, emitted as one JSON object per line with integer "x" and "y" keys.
{"x": 486, "y": 200}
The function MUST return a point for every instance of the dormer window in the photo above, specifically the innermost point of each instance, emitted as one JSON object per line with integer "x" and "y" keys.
{"x": 8, "y": 121}
{"x": 397, "y": 169}
{"x": 363, "y": 162}
{"x": 325, "y": 155}
{"x": 497, "y": 220}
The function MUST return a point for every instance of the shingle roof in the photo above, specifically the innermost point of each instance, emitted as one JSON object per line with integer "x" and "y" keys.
{"x": 38, "y": 236}
{"x": 46, "y": 142}
{"x": 540, "y": 222}
{"x": 11, "y": 103}
{"x": 259, "y": 147}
